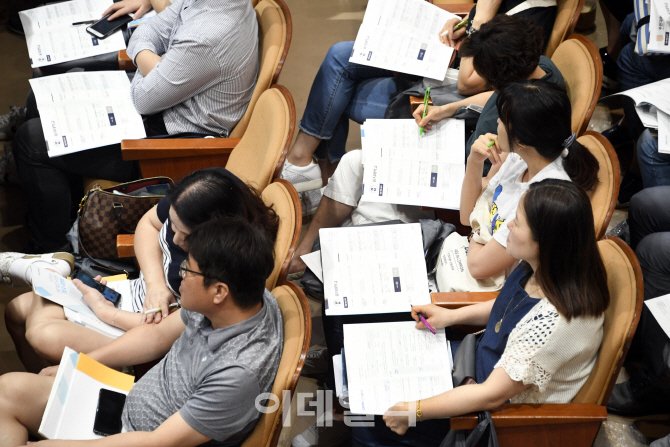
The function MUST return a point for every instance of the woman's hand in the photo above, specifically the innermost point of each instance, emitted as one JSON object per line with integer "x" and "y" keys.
{"x": 157, "y": 296}
{"x": 436, "y": 316}
{"x": 452, "y": 37}
{"x": 483, "y": 149}
{"x": 398, "y": 423}
{"x": 139, "y": 7}
{"x": 433, "y": 115}
{"x": 98, "y": 303}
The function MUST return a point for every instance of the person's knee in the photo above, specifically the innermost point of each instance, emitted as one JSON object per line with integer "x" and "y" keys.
{"x": 338, "y": 55}
{"x": 29, "y": 142}
{"x": 647, "y": 148}
{"x": 47, "y": 340}
{"x": 17, "y": 312}
{"x": 11, "y": 392}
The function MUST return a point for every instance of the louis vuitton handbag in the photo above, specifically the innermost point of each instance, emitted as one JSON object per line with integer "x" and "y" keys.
{"x": 106, "y": 213}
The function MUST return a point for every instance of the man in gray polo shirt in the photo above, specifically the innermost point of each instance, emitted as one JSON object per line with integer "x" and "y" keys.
{"x": 223, "y": 350}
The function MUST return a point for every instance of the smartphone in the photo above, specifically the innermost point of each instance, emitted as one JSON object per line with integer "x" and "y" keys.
{"x": 108, "y": 414}
{"x": 110, "y": 294}
{"x": 104, "y": 28}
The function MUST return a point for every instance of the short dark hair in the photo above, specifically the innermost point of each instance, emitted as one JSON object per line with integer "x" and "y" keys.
{"x": 505, "y": 49}
{"x": 571, "y": 271}
{"x": 538, "y": 113}
{"x": 236, "y": 252}
{"x": 209, "y": 193}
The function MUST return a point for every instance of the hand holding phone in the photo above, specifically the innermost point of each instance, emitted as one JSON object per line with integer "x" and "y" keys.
{"x": 104, "y": 28}
{"x": 109, "y": 293}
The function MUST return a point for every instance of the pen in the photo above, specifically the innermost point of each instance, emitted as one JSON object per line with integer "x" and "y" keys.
{"x": 423, "y": 320}
{"x": 85, "y": 22}
{"x": 158, "y": 309}
{"x": 425, "y": 106}
{"x": 458, "y": 26}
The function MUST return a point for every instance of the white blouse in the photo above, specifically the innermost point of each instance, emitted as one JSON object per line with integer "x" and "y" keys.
{"x": 551, "y": 354}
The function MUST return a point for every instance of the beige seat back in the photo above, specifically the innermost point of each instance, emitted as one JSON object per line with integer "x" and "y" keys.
{"x": 580, "y": 64}
{"x": 283, "y": 198}
{"x": 604, "y": 196}
{"x": 259, "y": 155}
{"x": 624, "y": 281}
{"x": 567, "y": 14}
{"x": 274, "y": 39}
{"x": 297, "y": 332}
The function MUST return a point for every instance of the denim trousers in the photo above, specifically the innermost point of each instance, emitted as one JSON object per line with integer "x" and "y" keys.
{"x": 342, "y": 91}
{"x": 654, "y": 166}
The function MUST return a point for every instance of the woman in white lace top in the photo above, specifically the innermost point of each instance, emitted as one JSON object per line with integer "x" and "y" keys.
{"x": 551, "y": 351}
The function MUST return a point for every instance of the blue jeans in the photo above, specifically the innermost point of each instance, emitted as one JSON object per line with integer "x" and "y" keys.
{"x": 342, "y": 91}
{"x": 636, "y": 70}
{"x": 654, "y": 166}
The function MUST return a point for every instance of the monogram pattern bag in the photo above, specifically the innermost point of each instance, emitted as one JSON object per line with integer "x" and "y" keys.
{"x": 104, "y": 213}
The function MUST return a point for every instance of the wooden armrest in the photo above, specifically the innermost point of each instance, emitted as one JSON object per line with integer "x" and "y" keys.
{"x": 125, "y": 63}
{"x": 516, "y": 415}
{"x": 149, "y": 149}
{"x": 460, "y": 9}
{"x": 455, "y": 300}
{"x": 125, "y": 245}
{"x": 416, "y": 101}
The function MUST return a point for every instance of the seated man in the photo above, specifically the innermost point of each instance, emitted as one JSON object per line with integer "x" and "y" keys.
{"x": 197, "y": 64}
{"x": 511, "y": 42}
{"x": 223, "y": 350}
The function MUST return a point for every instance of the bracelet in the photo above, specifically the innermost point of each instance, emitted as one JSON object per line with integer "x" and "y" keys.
{"x": 419, "y": 413}
{"x": 114, "y": 317}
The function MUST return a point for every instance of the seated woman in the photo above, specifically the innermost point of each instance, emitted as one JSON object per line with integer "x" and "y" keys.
{"x": 543, "y": 331}
{"x": 535, "y": 125}
{"x": 39, "y": 328}
{"x": 343, "y": 90}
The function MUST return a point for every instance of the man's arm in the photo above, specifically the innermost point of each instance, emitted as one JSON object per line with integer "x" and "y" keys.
{"x": 141, "y": 344}
{"x": 154, "y": 34}
{"x": 174, "y": 432}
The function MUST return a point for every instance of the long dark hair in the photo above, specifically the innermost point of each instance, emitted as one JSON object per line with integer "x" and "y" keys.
{"x": 505, "y": 49}
{"x": 538, "y": 113}
{"x": 209, "y": 194}
{"x": 571, "y": 271}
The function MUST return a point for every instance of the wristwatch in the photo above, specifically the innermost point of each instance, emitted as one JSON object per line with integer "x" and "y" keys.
{"x": 471, "y": 30}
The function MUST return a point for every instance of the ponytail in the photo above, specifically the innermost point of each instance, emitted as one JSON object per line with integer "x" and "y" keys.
{"x": 582, "y": 167}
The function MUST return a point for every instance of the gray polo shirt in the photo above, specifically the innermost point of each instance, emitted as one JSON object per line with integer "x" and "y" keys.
{"x": 211, "y": 377}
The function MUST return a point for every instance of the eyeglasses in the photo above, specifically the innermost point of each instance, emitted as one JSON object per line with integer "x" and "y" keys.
{"x": 183, "y": 270}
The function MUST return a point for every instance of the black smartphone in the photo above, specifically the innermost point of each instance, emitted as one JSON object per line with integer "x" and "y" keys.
{"x": 110, "y": 294}
{"x": 108, "y": 414}
{"x": 104, "y": 28}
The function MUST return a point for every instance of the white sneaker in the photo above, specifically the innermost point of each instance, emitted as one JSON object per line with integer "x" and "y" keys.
{"x": 304, "y": 178}
{"x": 16, "y": 268}
{"x": 309, "y": 200}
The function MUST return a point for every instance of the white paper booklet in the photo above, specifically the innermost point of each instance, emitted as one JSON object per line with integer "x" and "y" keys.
{"x": 375, "y": 269}
{"x": 659, "y": 26}
{"x": 52, "y": 38}
{"x": 403, "y": 167}
{"x": 59, "y": 290}
{"x": 649, "y": 99}
{"x": 403, "y": 36}
{"x": 660, "y": 309}
{"x": 389, "y": 363}
{"x": 70, "y": 410}
{"x": 86, "y": 110}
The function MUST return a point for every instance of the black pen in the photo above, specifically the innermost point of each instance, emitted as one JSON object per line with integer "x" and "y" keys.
{"x": 85, "y": 22}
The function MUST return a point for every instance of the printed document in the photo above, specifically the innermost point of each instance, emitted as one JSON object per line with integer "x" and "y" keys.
{"x": 52, "y": 38}
{"x": 71, "y": 408}
{"x": 649, "y": 99}
{"x": 405, "y": 168}
{"x": 660, "y": 309}
{"x": 403, "y": 36}
{"x": 659, "y": 26}
{"x": 389, "y": 363}
{"x": 373, "y": 269}
{"x": 86, "y": 110}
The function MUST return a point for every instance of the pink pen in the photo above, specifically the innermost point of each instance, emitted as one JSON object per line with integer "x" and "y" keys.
{"x": 423, "y": 320}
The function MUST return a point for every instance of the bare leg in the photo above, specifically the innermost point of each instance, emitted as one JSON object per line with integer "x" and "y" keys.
{"x": 23, "y": 398}
{"x": 16, "y": 315}
{"x": 330, "y": 213}
{"x": 49, "y": 332}
{"x": 327, "y": 169}
{"x": 303, "y": 149}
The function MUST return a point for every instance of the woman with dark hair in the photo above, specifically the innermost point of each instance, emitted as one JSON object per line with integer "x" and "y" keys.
{"x": 39, "y": 326}
{"x": 534, "y": 142}
{"x": 544, "y": 329}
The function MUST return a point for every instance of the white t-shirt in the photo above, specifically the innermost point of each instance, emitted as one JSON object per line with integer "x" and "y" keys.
{"x": 553, "y": 355}
{"x": 508, "y": 189}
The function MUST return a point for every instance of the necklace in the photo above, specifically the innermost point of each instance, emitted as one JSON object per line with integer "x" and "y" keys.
{"x": 499, "y": 323}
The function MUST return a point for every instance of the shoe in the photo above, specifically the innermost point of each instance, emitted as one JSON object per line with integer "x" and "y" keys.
{"x": 630, "y": 185}
{"x": 610, "y": 70}
{"x": 320, "y": 435}
{"x": 309, "y": 200}
{"x": 640, "y": 396}
{"x": 16, "y": 268}
{"x": 316, "y": 362}
{"x": 10, "y": 122}
{"x": 304, "y": 178}
{"x": 14, "y": 24}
